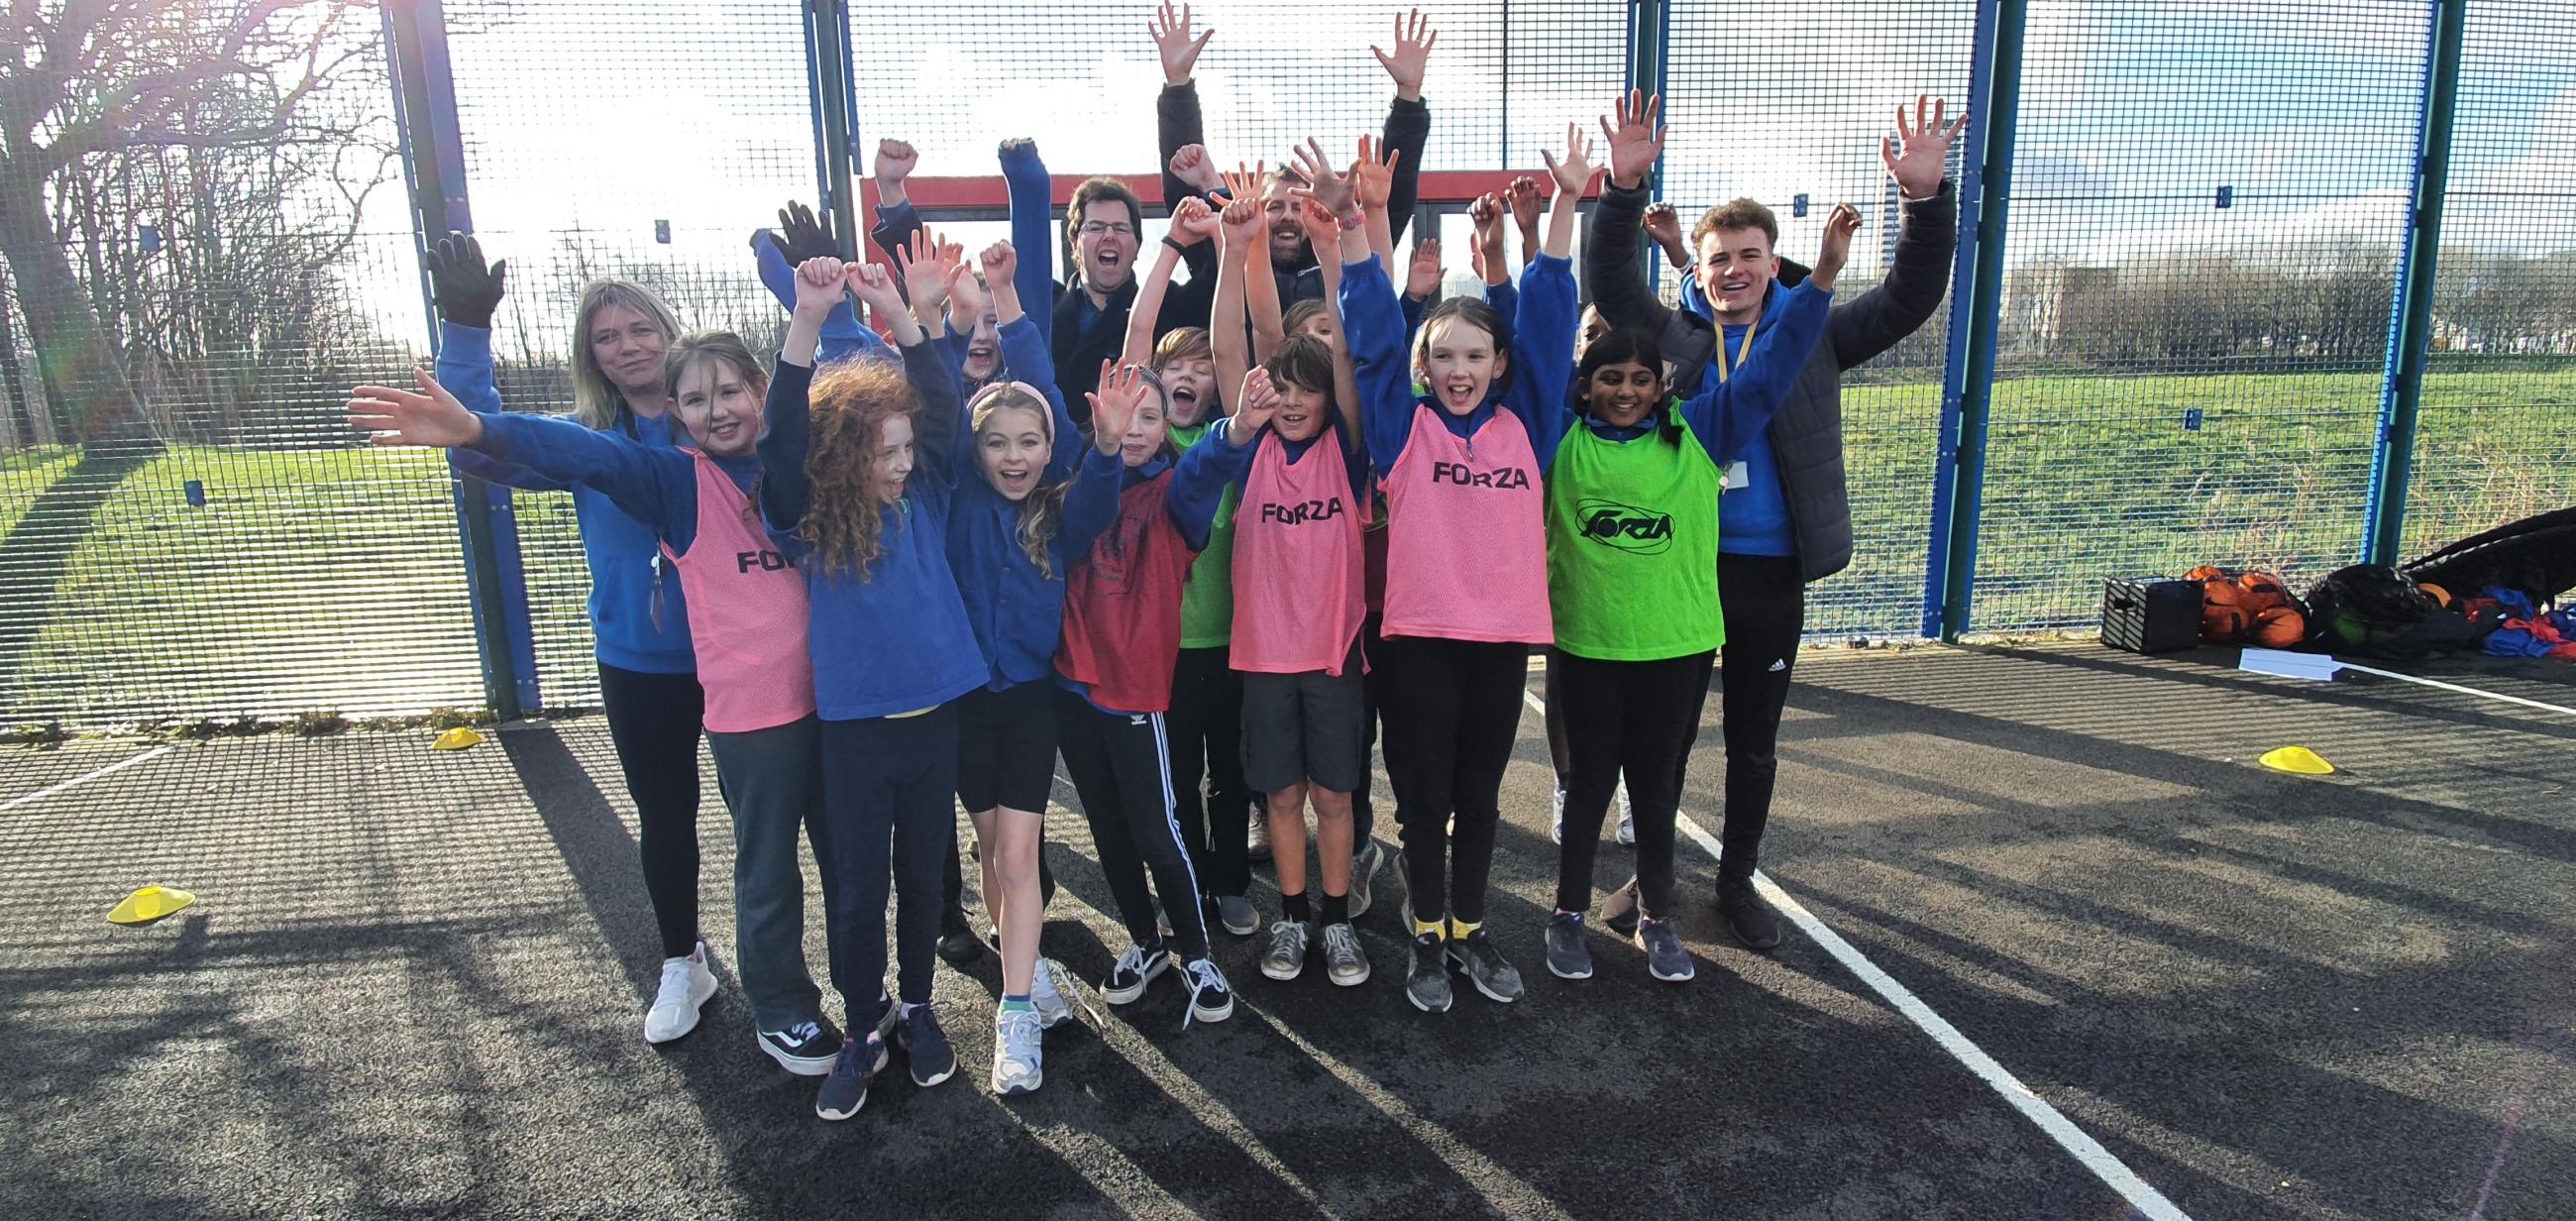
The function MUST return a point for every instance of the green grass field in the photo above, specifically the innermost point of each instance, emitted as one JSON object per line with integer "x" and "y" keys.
{"x": 332, "y": 581}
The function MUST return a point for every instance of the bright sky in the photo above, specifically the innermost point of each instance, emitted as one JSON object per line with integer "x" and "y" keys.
{"x": 2134, "y": 112}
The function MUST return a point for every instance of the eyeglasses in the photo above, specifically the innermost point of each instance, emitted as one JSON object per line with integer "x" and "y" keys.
{"x": 1103, "y": 229}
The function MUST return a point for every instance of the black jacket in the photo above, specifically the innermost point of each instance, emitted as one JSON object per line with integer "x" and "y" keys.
{"x": 1806, "y": 436}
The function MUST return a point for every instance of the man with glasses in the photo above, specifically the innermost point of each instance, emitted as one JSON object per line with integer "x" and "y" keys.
{"x": 1091, "y": 313}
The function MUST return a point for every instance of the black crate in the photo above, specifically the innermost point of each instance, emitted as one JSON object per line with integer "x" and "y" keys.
{"x": 2151, "y": 616}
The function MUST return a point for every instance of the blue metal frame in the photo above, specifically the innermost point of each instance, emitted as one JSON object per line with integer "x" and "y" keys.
{"x": 433, "y": 147}
{"x": 1968, "y": 380}
{"x": 2410, "y": 310}
{"x": 1649, "y": 69}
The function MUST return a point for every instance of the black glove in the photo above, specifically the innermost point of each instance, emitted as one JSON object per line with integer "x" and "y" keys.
{"x": 799, "y": 236}
{"x": 464, "y": 288}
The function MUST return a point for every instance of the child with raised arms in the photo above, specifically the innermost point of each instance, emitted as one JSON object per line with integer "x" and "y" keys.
{"x": 747, "y": 629}
{"x": 865, "y": 512}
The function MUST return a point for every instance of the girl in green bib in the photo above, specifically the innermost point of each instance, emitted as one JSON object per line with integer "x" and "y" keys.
{"x": 1632, "y": 582}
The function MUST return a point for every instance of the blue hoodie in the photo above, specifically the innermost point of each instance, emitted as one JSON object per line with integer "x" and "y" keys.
{"x": 894, "y": 639}
{"x": 626, "y": 570}
{"x": 1017, "y": 611}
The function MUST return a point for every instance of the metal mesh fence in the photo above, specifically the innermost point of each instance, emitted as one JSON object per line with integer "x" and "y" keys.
{"x": 2206, "y": 217}
{"x": 1756, "y": 111}
{"x": 2496, "y": 439}
{"x": 185, "y": 528}
{"x": 651, "y": 155}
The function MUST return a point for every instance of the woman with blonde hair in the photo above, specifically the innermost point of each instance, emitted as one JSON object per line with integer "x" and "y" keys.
{"x": 639, "y": 623}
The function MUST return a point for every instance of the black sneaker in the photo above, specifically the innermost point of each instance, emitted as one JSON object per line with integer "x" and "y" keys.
{"x": 1747, "y": 916}
{"x": 1426, "y": 980}
{"x": 1210, "y": 999}
{"x": 806, "y": 1049}
{"x": 1476, "y": 956}
{"x": 958, "y": 944}
{"x": 1135, "y": 969}
{"x": 846, "y": 1090}
{"x": 926, "y": 1046}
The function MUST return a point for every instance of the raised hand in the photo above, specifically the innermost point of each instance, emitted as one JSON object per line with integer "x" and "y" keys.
{"x": 1243, "y": 183}
{"x": 1192, "y": 164}
{"x": 894, "y": 162}
{"x": 925, "y": 271}
{"x": 1839, "y": 228}
{"x": 1638, "y": 140}
{"x": 1321, "y": 226}
{"x": 1413, "y": 40}
{"x": 874, "y": 286}
{"x": 966, "y": 296}
{"x": 1242, "y": 221}
{"x": 1122, "y": 394}
{"x": 1917, "y": 169}
{"x": 819, "y": 281}
{"x": 1665, "y": 226}
{"x": 1193, "y": 222}
{"x": 1172, "y": 41}
{"x": 1001, "y": 263}
{"x": 1574, "y": 172}
{"x": 431, "y": 416}
{"x": 800, "y": 235}
{"x": 1322, "y": 184}
{"x": 1525, "y": 198}
{"x": 1487, "y": 214}
{"x": 1373, "y": 175}
{"x": 1254, "y": 407}
{"x": 465, "y": 290}
{"x": 1422, "y": 276}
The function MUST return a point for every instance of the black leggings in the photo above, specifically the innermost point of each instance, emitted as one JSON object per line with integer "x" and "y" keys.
{"x": 1764, "y": 599}
{"x": 890, "y": 813}
{"x": 1637, "y": 716}
{"x": 1206, "y": 730}
{"x": 1122, "y": 771}
{"x": 1453, "y": 711}
{"x": 653, "y": 721}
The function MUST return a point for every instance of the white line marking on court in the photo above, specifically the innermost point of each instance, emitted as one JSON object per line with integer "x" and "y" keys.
{"x": 121, "y": 763}
{"x": 2429, "y": 682}
{"x": 2146, "y": 1199}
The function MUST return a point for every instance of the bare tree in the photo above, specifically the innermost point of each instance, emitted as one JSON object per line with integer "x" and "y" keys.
{"x": 84, "y": 83}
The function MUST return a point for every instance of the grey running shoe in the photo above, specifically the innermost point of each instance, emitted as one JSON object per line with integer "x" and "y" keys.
{"x": 1566, "y": 956}
{"x": 1478, "y": 956}
{"x": 1364, "y": 866}
{"x": 1286, "y": 958}
{"x": 1053, "y": 1009}
{"x": 846, "y": 1090}
{"x": 1256, "y": 838}
{"x": 925, "y": 1045}
{"x": 1238, "y": 915}
{"x": 1018, "y": 1063}
{"x": 1343, "y": 961}
{"x": 1665, "y": 956}
{"x": 1619, "y": 910}
{"x": 1135, "y": 969}
{"x": 1210, "y": 999}
{"x": 1426, "y": 979}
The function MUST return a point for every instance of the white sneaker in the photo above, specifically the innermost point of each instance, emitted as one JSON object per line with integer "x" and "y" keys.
{"x": 1053, "y": 1010}
{"x": 1627, "y": 818}
{"x": 686, "y": 985}
{"x": 1018, "y": 1062}
{"x": 1556, "y": 828}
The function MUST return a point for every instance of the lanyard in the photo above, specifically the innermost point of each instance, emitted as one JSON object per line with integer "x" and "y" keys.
{"x": 1742, "y": 350}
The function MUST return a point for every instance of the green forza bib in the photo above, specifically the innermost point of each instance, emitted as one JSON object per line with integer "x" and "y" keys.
{"x": 1632, "y": 547}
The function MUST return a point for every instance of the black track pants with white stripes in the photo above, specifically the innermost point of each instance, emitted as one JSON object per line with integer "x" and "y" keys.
{"x": 1121, "y": 772}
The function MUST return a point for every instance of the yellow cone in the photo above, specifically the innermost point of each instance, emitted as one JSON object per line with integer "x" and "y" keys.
{"x": 456, "y": 739}
{"x": 2299, "y": 760}
{"x": 149, "y": 904}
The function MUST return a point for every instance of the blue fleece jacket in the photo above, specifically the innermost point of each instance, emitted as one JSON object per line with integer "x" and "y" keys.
{"x": 655, "y": 485}
{"x": 628, "y": 629}
{"x": 1017, "y": 611}
{"x": 1729, "y": 417}
{"x": 1532, "y": 389}
{"x": 895, "y": 638}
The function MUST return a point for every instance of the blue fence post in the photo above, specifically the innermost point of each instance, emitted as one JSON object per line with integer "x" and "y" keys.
{"x": 433, "y": 156}
{"x": 2410, "y": 311}
{"x": 1976, "y": 310}
{"x": 834, "y": 96}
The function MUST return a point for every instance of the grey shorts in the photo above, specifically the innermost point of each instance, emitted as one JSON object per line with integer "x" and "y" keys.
{"x": 1305, "y": 727}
